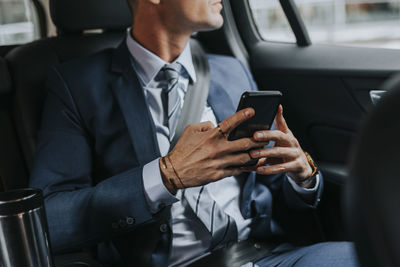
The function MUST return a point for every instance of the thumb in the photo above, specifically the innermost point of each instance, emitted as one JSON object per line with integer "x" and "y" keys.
{"x": 280, "y": 121}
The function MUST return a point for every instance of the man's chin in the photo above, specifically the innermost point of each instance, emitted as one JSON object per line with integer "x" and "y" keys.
{"x": 212, "y": 25}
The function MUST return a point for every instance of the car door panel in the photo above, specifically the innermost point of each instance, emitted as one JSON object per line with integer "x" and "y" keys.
{"x": 326, "y": 94}
{"x": 312, "y": 115}
{"x": 326, "y": 90}
{"x": 361, "y": 88}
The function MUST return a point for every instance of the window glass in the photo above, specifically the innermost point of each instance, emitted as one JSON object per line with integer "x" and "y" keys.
{"x": 18, "y": 22}
{"x": 370, "y": 23}
{"x": 271, "y": 21}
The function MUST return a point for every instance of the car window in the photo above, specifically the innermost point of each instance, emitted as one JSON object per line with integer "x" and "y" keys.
{"x": 271, "y": 21}
{"x": 369, "y": 23}
{"x": 18, "y": 22}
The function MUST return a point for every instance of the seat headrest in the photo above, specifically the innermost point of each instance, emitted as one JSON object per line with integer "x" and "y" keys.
{"x": 78, "y": 15}
{"x": 5, "y": 79}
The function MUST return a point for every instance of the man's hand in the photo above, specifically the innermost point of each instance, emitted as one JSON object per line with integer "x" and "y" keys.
{"x": 285, "y": 156}
{"x": 203, "y": 155}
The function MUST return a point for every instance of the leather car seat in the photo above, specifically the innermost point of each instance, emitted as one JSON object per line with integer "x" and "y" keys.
{"x": 30, "y": 63}
{"x": 373, "y": 192}
{"x": 12, "y": 168}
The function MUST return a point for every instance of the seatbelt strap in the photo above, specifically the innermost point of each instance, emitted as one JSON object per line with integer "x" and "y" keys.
{"x": 222, "y": 227}
{"x": 197, "y": 93}
{"x": 193, "y": 106}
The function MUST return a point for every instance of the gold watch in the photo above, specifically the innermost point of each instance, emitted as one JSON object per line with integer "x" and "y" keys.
{"x": 312, "y": 164}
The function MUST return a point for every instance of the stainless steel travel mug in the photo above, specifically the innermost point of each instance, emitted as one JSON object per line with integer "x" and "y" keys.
{"x": 23, "y": 230}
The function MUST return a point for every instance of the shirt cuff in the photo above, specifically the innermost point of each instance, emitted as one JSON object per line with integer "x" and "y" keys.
{"x": 157, "y": 195}
{"x": 302, "y": 190}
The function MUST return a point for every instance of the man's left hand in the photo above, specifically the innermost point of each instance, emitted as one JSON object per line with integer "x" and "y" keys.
{"x": 285, "y": 156}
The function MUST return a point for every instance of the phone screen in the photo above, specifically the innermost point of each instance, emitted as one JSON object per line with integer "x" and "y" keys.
{"x": 265, "y": 104}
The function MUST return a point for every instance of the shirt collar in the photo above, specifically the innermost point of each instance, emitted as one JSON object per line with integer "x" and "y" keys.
{"x": 148, "y": 64}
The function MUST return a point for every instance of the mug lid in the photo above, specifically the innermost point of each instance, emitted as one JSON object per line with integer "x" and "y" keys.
{"x": 20, "y": 201}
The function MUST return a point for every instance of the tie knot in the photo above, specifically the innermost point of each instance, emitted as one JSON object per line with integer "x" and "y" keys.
{"x": 172, "y": 71}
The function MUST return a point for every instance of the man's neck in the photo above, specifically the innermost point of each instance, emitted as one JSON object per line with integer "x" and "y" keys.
{"x": 159, "y": 40}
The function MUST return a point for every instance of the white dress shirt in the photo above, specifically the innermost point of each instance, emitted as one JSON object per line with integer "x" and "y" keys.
{"x": 191, "y": 239}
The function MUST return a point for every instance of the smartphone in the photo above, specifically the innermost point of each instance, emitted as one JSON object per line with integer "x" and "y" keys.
{"x": 265, "y": 104}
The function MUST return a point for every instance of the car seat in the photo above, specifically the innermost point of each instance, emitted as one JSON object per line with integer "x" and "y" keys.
{"x": 12, "y": 168}
{"x": 373, "y": 192}
{"x": 30, "y": 63}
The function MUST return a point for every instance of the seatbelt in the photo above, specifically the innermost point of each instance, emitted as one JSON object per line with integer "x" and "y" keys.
{"x": 192, "y": 111}
{"x": 197, "y": 93}
{"x": 193, "y": 106}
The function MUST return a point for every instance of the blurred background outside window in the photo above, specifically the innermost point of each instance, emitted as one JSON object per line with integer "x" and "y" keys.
{"x": 18, "y": 22}
{"x": 369, "y": 23}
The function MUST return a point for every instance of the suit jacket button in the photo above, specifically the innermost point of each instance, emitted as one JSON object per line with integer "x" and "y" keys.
{"x": 163, "y": 228}
{"x": 114, "y": 225}
{"x": 122, "y": 223}
{"x": 130, "y": 221}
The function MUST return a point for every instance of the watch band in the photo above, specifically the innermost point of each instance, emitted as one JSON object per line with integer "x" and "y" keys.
{"x": 311, "y": 178}
{"x": 312, "y": 164}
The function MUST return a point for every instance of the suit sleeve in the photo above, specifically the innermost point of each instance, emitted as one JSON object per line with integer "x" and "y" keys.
{"x": 80, "y": 214}
{"x": 292, "y": 197}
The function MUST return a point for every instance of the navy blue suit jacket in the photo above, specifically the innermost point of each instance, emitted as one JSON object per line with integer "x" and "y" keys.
{"x": 97, "y": 134}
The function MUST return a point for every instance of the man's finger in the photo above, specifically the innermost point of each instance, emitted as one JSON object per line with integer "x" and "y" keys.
{"x": 291, "y": 166}
{"x": 272, "y": 135}
{"x": 275, "y": 152}
{"x": 233, "y": 121}
{"x": 202, "y": 126}
{"x": 280, "y": 121}
{"x": 243, "y": 144}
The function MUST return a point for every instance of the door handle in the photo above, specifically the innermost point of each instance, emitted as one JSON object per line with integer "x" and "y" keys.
{"x": 376, "y": 95}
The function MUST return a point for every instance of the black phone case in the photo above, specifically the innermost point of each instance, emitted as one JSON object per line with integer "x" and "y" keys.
{"x": 267, "y": 103}
{"x": 267, "y": 106}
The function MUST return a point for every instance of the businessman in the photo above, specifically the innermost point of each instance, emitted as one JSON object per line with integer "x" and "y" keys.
{"x": 111, "y": 178}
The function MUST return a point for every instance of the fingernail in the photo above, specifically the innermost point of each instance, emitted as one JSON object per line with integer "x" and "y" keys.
{"x": 247, "y": 113}
{"x": 259, "y": 135}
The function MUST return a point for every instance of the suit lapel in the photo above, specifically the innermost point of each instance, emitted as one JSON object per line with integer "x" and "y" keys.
{"x": 133, "y": 105}
{"x": 220, "y": 102}
{"x": 132, "y": 102}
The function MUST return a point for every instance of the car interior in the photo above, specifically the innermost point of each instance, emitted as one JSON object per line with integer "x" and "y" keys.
{"x": 330, "y": 98}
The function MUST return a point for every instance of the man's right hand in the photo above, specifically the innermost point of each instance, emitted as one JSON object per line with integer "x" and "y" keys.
{"x": 203, "y": 155}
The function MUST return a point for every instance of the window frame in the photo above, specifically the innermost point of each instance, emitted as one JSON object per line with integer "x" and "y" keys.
{"x": 250, "y": 33}
{"x": 41, "y": 14}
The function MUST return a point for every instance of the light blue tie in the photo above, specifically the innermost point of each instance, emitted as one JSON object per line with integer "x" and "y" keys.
{"x": 172, "y": 72}
{"x": 220, "y": 225}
